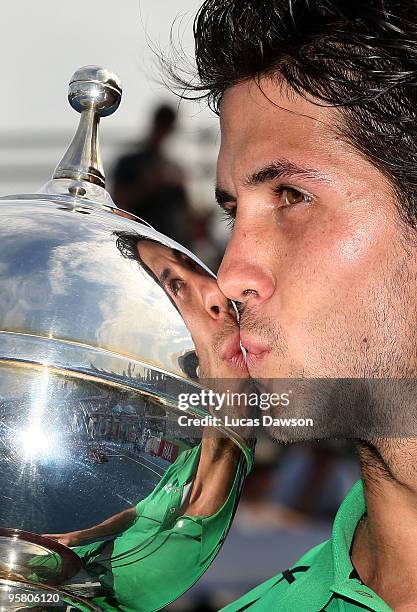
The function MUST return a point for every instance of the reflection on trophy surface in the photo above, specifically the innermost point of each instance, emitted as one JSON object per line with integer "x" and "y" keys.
{"x": 104, "y": 322}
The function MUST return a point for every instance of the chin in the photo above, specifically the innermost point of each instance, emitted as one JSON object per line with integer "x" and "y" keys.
{"x": 273, "y": 369}
{"x": 289, "y": 437}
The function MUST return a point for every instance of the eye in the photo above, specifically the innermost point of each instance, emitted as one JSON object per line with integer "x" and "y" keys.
{"x": 175, "y": 285}
{"x": 290, "y": 196}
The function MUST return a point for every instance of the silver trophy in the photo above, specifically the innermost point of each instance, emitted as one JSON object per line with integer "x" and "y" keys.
{"x": 94, "y": 354}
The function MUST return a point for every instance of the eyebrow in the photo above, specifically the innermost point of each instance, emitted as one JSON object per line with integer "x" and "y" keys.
{"x": 166, "y": 273}
{"x": 281, "y": 168}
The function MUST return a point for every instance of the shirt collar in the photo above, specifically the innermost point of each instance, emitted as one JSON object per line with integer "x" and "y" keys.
{"x": 330, "y": 571}
{"x": 347, "y": 518}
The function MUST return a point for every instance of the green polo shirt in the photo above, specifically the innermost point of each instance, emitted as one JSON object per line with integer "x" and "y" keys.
{"x": 164, "y": 552}
{"x": 323, "y": 580}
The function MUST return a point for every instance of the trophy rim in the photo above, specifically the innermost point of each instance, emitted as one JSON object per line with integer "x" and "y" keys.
{"x": 71, "y": 563}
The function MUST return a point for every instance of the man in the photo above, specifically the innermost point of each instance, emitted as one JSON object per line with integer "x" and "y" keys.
{"x": 317, "y": 170}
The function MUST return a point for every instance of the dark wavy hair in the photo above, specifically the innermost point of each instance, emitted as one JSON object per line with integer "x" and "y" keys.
{"x": 357, "y": 55}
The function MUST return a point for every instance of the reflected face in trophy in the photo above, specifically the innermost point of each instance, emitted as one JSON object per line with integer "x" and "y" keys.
{"x": 207, "y": 313}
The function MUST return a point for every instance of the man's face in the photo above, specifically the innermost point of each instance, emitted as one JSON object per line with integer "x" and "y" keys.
{"x": 208, "y": 315}
{"x": 318, "y": 255}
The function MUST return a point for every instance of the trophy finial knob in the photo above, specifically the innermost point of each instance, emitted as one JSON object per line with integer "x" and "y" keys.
{"x": 95, "y": 88}
{"x": 94, "y": 92}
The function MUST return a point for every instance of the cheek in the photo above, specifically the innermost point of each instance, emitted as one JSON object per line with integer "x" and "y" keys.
{"x": 328, "y": 273}
{"x": 360, "y": 244}
{"x": 196, "y": 318}
{"x": 336, "y": 250}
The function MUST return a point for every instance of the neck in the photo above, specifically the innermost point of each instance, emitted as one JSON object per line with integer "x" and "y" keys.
{"x": 384, "y": 550}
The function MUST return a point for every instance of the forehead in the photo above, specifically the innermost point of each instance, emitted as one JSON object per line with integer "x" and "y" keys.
{"x": 150, "y": 249}
{"x": 156, "y": 256}
{"x": 260, "y": 123}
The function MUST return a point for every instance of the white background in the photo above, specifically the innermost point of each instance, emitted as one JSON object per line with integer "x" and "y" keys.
{"x": 42, "y": 43}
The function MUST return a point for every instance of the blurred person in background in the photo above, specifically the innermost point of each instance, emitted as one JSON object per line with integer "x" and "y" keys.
{"x": 151, "y": 186}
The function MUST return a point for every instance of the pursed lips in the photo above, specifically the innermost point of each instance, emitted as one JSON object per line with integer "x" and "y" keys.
{"x": 256, "y": 350}
{"x": 243, "y": 350}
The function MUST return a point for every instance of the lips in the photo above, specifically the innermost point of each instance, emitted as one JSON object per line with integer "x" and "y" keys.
{"x": 232, "y": 353}
{"x": 250, "y": 357}
{"x": 256, "y": 351}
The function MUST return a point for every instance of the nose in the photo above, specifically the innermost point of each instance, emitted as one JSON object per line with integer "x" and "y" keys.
{"x": 245, "y": 275}
{"x": 215, "y": 303}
